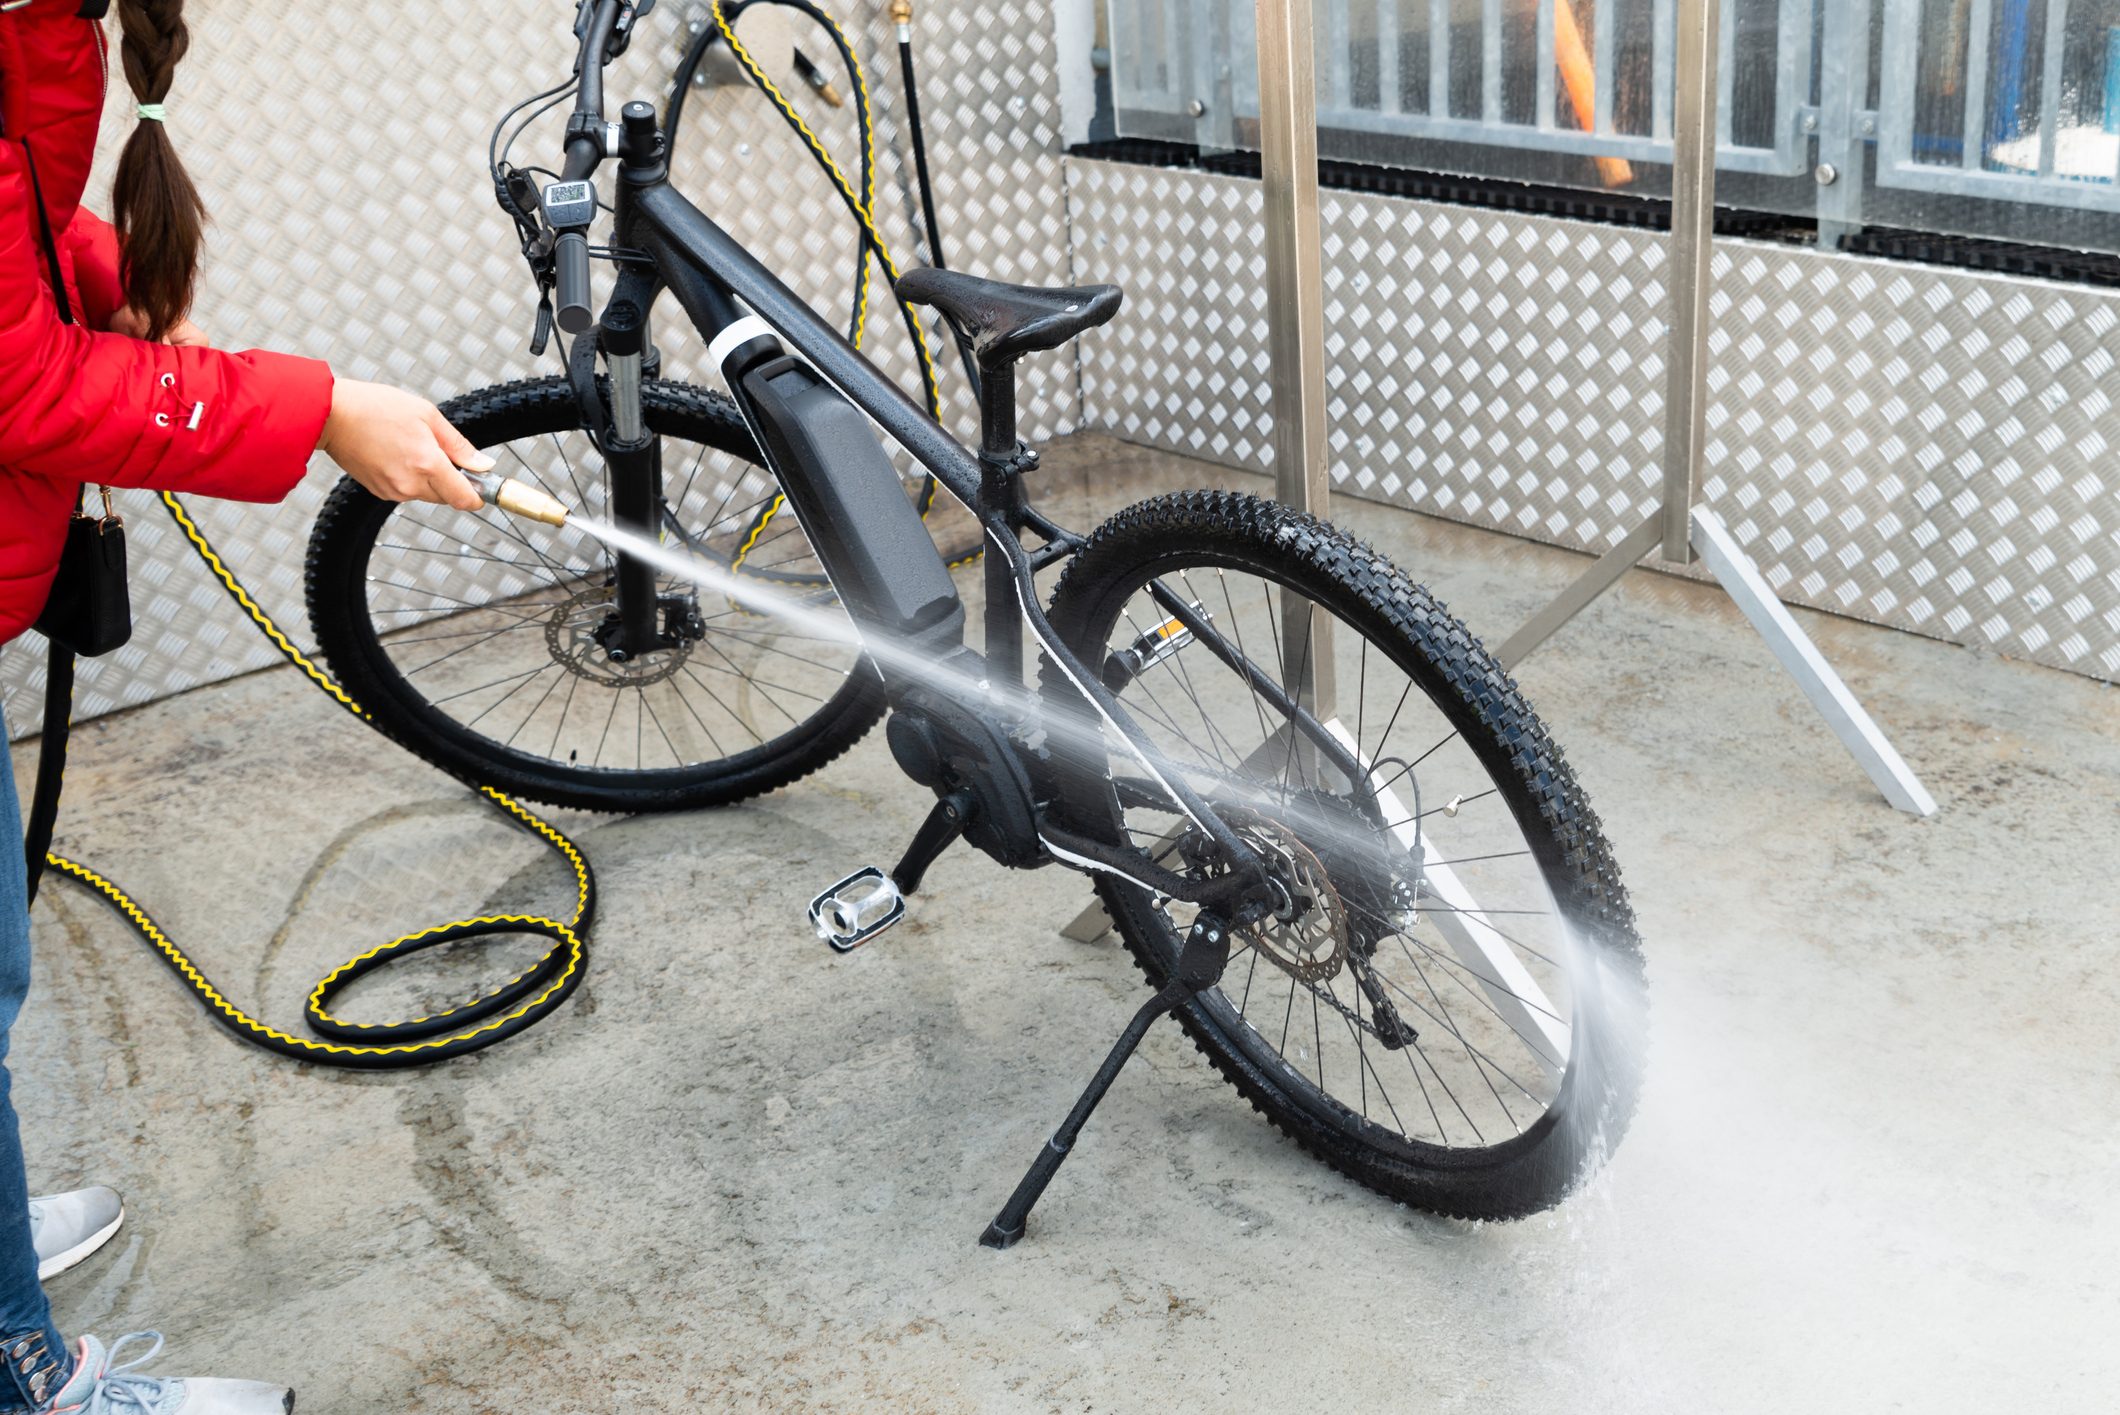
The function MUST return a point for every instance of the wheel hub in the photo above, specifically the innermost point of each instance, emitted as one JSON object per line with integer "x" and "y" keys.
{"x": 1376, "y": 882}
{"x": 1305, "y": 935}
{"x": 576, "y": 632}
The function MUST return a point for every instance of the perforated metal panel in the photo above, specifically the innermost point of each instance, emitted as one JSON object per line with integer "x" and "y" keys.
{"x": 342, "y": 150}
{"x": 1917, "y": 447}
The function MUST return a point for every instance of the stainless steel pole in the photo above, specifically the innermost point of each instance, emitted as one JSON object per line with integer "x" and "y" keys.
{"x": 1692, "y": 242}
{"x": 1295, "y": 311}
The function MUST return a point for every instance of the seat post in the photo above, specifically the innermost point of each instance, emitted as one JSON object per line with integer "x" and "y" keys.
{"x": 1002, "y": 461}
{"x": 997, "y": 410}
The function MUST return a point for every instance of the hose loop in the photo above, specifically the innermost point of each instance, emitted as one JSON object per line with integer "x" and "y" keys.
{"x": 521, "y": 1002}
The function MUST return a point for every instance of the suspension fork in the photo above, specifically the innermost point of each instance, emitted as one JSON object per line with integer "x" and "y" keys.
{"x": 634, "y": 456}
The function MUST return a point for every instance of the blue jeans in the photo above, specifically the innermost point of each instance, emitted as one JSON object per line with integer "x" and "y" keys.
{"x": 37, "y": 1362}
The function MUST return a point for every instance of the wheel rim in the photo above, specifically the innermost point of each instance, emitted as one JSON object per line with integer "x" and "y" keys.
{"x": 1452, "y": 1021}
{"x": 492, "y": 623}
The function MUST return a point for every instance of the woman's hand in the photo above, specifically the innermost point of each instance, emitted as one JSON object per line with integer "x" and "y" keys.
{"x": 399, "y": 446}
{"x": 183, "y": 335}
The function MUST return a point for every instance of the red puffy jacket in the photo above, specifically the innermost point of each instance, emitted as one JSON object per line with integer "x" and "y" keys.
{"x": 80, "y": 406}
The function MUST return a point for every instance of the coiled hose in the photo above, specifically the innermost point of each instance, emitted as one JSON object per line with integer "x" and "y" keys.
{"x": 523, "y": 1001}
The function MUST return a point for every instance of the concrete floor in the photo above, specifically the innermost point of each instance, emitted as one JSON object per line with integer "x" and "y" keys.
{"x": 1873, "y": 1169}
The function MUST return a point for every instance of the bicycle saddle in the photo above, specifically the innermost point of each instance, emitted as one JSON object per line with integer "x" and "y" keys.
{"x": 1005, "y": 322}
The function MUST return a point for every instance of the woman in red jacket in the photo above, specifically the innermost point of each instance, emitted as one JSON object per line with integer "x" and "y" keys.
{"x": 103, "y": 380}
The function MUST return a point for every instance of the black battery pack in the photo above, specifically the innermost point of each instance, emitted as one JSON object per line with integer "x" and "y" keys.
{"x": 847, "y": 495}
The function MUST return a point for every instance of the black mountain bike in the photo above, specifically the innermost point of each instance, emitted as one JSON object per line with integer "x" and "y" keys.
{"x": 1333, "y": 834}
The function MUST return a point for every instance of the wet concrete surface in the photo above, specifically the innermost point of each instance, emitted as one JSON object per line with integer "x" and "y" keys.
{"x": 1873, "y": 1167}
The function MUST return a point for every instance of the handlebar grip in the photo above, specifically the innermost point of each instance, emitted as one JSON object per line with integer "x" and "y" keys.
{"x": 570, "y": 257}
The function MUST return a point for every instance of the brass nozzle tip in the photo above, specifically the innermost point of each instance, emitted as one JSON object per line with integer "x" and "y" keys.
{"x": 901, "y": 12}
{"x": 830, "y": 94}
{"x": 529, "y": 503}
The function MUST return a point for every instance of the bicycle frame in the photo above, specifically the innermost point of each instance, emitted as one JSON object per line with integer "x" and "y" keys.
{"x": 716, "y": 280}
{"x": 812, "y": 403}
{"x": 887, "y": 583}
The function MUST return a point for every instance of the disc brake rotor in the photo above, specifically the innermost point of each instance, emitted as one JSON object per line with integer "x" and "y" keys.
{"x": 570, "y": 637}
{"x": 1306, "y": 934}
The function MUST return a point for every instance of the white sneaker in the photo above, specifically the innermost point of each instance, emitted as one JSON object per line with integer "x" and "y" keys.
{"x": 68, "y": 1227}
{"x": 102, "y": 1385}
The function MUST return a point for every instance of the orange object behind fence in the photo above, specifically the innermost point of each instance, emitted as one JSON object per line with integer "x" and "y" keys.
{"x": 1579, "y": 77}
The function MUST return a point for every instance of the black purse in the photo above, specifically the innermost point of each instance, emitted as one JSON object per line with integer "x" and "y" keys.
{"x": 89, "y": 609}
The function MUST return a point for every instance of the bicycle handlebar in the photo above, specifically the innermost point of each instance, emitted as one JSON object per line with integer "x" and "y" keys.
{"x": 585, "y": 153}
{"x": 585, "y": 149}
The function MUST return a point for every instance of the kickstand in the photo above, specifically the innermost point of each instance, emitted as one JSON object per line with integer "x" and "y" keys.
{"x": 1200, "y": 964}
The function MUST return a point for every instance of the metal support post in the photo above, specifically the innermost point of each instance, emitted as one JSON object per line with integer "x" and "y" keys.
{"x": 1843, "y": 142}
{"x": 1853, "y": 725}
{"x": 1295, "y": 311}
{"x": 1295, "y": 339}
{"x": 1688, "y": 269}
{"x": 1595, "y": 581}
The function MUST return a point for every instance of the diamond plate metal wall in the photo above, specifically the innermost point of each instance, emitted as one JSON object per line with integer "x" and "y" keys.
{"x": 342, "y": 147}
{"x": 1916, "y": 447}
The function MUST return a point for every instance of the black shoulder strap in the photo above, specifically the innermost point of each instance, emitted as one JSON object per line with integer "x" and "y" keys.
{"x": 59, "y": 677}
{"x": 44, "y": 228}
{"x": 51, "y": 765}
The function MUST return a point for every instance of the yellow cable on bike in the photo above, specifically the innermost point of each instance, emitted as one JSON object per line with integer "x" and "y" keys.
{"x": 520, "y": 1002}
{"x": 861, "y": 205}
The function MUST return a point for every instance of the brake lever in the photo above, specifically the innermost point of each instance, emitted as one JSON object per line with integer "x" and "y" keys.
{"x": 517, "y": 195}
{"x": 541, "y": 333}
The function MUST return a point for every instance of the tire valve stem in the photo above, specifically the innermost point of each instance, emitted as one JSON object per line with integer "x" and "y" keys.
{"x": 518, "y": 499}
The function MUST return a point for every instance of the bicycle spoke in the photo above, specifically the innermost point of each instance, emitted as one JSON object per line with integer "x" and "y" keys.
{"x": 1477, "y": 1067}
{"x": 730, "y": 679}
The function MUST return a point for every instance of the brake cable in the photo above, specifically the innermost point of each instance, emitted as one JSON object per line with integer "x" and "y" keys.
{"x": 520, "y": 1002}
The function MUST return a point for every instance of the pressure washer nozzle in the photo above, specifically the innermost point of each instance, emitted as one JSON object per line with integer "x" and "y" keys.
{"x": 518, "y": 499}
{"x": 814, "y": 77}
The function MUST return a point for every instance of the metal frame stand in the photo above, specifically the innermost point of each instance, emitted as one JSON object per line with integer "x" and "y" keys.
{"x": 1682, "y": 526}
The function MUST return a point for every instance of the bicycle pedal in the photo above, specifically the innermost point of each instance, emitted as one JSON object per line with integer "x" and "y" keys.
{"x": 856, "y": 909}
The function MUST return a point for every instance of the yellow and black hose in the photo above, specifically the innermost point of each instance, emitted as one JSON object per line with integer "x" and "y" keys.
{"x": 522, "y": 1001}
{"x": 860, "y": 203}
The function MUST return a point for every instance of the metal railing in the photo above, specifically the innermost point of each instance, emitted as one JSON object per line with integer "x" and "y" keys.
{"x": 1977, "y": 101}
{"x": 2001, "y": 153}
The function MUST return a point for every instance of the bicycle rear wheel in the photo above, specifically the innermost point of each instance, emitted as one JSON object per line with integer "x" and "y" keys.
{"x": 1448, "y": 1006}
{"x": 473, "y": 640}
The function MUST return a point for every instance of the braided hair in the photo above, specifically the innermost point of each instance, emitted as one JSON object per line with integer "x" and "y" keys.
{"x": 157, "y": 210}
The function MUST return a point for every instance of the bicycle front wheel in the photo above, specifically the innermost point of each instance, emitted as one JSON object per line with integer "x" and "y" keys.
{"x": 479, "y": 641}
{"x": 1446, "y": 1004}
